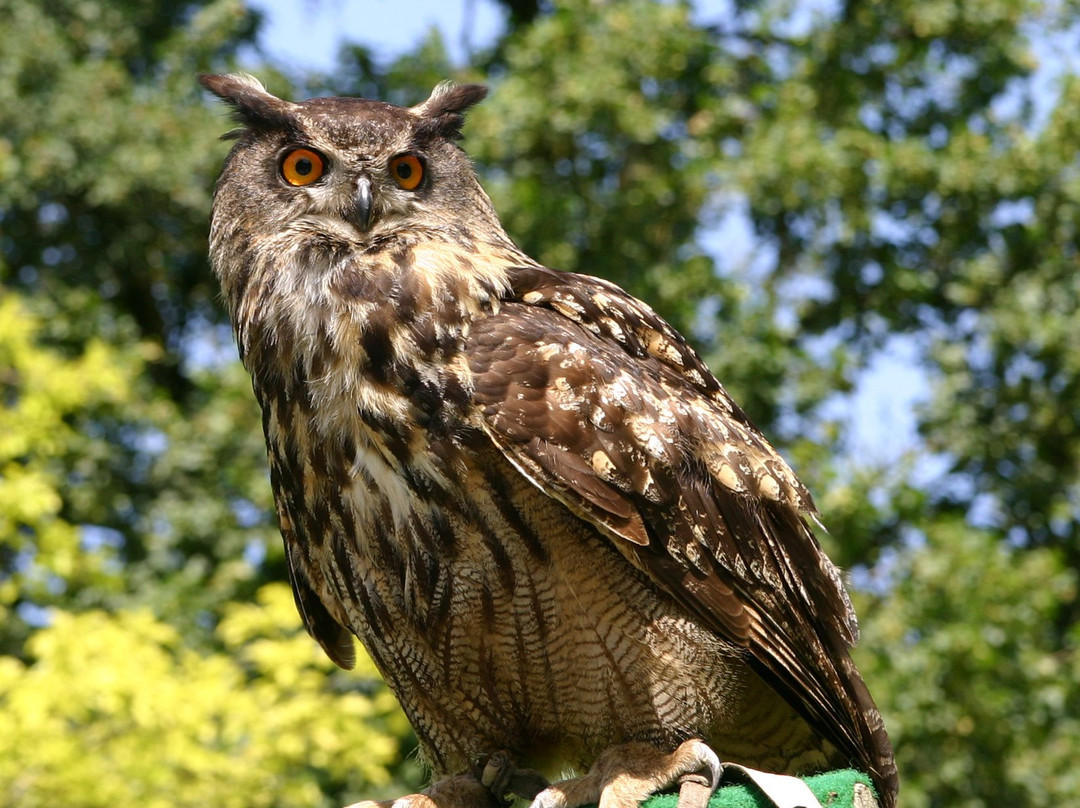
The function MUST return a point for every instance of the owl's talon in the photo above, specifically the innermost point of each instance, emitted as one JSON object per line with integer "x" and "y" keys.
{"x": 459, "y": 791}
{"x": 496, "y": 769}
{"x": 623, "y": 776}
{"x": 707, "y": 760}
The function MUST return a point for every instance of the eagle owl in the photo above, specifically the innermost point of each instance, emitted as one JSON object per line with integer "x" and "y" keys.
{"x": 558, "y": 538}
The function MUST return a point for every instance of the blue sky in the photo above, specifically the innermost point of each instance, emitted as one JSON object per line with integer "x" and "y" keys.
{"x": 388, "y": 26}
{"x": 880, "y": 415}
{"x": 393, "y": 26}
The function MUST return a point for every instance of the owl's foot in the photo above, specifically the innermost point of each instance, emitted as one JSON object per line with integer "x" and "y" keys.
{"x": 623, "y": 776}
{"x": 460, "y": 791}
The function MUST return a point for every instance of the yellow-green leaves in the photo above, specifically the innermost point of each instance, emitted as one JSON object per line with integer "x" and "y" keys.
{"x": 44, "y": 393}
{"x": 115, "y": 709}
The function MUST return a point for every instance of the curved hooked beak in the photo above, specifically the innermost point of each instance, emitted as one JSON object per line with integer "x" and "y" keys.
{"x": 362, "y": 204}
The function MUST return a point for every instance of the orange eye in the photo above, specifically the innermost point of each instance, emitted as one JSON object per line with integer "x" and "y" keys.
{"x": 302, "y": 167}
{"x": 408, "y": 171}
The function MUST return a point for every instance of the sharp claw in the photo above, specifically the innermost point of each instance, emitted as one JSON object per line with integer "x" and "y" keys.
{"x": 495, "y": 769}
{"x": 707, "y": 759}
{"x": 623, "y": 776}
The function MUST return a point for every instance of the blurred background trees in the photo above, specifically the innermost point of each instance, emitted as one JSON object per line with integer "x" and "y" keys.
{"x": 833, "y": 199}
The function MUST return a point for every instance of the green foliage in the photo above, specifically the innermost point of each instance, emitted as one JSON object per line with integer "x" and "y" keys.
{"x": 925, "y": 198}
{"x": 151, "y": 722}
{"x": 582, "y": 150}
{"x": 146, "y": 662}
{"x": 46, "y": 397}
{"x": 109, "y": 156}
{"x": 899, "y": 177}
{"x": 983, "y": 705}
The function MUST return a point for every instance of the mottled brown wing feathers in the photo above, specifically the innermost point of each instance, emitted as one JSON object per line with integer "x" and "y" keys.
{"x": 516, "y": 375}
{"x": 606, "y": 310}
{"x": 605, "y": 407}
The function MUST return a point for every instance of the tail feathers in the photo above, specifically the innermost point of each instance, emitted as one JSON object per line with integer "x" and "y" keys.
{"x": 876, "y": 747}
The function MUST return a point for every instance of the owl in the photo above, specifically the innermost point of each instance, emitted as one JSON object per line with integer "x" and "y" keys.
{"x": 562, "y": 543}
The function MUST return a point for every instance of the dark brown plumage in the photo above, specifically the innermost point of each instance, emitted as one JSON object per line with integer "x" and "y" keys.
{"x": 549, "y": 525}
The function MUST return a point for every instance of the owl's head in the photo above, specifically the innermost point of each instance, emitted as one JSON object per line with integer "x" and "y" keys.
{"x": 346, "y": 168}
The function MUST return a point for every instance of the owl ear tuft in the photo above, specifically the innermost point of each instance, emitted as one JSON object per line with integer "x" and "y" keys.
{"x": 444, "y": 111}
{"x": 252, "y": 105}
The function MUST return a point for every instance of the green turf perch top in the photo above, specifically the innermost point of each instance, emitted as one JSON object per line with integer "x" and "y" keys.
{"x": 843, "y": 788}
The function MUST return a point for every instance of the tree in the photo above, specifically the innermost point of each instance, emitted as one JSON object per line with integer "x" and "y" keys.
{"x": 153, "y": 722}
{"x": 145, "y": 659}
{"x": 108, "y": 168}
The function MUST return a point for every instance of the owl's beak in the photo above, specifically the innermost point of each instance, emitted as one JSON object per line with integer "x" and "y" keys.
{"x": 362, "y": 204}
